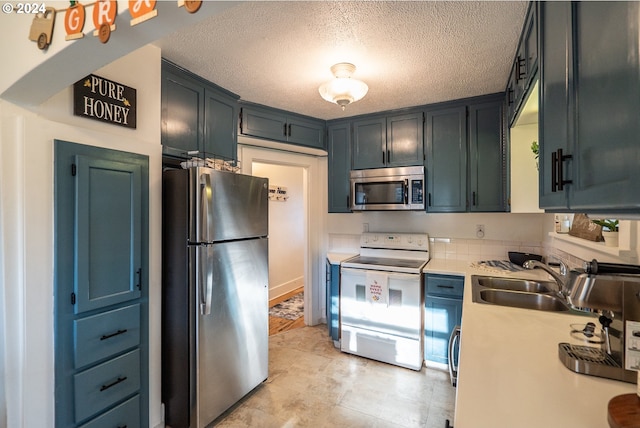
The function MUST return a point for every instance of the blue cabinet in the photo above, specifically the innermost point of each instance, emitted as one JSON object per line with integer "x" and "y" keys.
{"x": 525, "y": 65}
{"x": 443, "y": 312}
{"x": 101, "y": 287}
{"x": 278, "y": 125}
{"x": 198, "y": 117}
{"x": 589, "y": 82}
{"x": 388, "y": 141}
{"x": 465, "y": 156}
{"x": 339, "y": 164}
{"x": 487, "y": 156}
{"x": 446, "y": 159}
{"x": 333, "y": 300}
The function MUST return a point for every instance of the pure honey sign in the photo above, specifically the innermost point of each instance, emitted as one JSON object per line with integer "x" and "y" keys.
{"x": 97, "y": 98}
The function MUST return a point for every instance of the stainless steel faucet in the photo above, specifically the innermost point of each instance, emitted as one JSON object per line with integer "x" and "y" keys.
{"x": 561, "y": 279}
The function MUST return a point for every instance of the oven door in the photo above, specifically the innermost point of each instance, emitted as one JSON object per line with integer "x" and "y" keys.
{"x": 386, "y": 329}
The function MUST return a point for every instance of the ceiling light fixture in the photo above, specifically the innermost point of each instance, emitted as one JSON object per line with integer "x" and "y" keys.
{"x": 343, "y": 90}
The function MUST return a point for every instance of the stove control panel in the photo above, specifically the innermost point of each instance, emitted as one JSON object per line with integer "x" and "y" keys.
{"x": 395, "y": 241}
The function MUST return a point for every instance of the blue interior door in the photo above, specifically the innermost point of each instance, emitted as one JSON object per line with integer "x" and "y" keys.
{"x": 107, "y": 232}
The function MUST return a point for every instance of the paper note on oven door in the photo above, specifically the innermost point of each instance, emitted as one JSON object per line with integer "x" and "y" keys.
{"x": 377, "y": 287}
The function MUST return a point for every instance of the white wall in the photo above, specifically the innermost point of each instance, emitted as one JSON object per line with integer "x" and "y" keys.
{"x": 524, "y": 173}
{"x": 27, "y": 235}
{"x": 286, "y": 228}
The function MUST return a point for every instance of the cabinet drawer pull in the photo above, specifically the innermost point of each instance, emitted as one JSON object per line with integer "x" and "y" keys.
{"x": 109, "y": 336}
{"x": 122, "y": 426}
{"x": 445, "y": 286}
{"x": 473, "y": 199}
{"x": 114, "y": 383}
{"x": 383, "y": 157}
{"x": 289, "y": 126}
{"x": 284, "y": 129}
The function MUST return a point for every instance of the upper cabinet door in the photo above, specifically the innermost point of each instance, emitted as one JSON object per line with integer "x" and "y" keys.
{"x": 486, "y": 157}
{"x": 182, "y": 114}
{"x": 263, "y": 124}
{"x": 221, "y": 126}
{"x": 339, "y": 148}
{"x": 405, "y": 140}
{"x": 446, "y": 139}
{"x": 108, "y": 223}
{"x": 369, "y": 143}
{"x": 555, "y": 47}
{"x": 305, "y": 132}
{"x": 607, "y": 102}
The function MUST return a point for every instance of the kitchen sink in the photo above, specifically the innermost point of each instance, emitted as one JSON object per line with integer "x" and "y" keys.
{"x": 517, "y": 293}
{"x": 526, "y": 285}
{"x": 524, "y": 300}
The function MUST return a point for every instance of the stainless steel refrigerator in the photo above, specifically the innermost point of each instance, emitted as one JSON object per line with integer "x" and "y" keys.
{"x": 215, "y": 325}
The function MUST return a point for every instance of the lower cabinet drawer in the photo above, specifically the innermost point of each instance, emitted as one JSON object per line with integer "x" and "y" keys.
{"x": 106, "y": 384}
{"x": 106, "y": 334}
{"x": 126, "y": 414}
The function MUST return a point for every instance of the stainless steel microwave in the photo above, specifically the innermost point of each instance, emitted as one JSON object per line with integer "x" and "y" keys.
{"x": 387, "y": 189}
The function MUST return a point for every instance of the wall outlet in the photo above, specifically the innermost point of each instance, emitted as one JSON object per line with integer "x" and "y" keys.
{"x": 480, "y": 230}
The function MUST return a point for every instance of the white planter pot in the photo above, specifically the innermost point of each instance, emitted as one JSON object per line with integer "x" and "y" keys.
{"x": 610, "y": 238}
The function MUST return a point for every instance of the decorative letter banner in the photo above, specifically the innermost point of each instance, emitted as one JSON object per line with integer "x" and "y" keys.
{"x": 74, "y": 22}
{"x": 142, "y": 10}
{"x": 104, "y": 19}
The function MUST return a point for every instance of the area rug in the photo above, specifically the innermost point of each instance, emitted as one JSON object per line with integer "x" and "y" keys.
{"x": 291, "y": 309}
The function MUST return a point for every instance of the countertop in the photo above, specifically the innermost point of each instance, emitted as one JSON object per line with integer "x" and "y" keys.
{"x": 509, "y": 371}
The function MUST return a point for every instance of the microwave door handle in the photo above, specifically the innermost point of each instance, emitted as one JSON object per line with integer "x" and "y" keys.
{"x": 406, "y": 191}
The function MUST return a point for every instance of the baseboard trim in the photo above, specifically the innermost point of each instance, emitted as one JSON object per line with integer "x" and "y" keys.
{"x": 285, "y": 296}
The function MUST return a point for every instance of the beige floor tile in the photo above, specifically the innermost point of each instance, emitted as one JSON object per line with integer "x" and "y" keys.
{"x": 313, "y": 384}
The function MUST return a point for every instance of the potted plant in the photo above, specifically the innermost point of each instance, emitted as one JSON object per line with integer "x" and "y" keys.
{"x": 609, "y": 231}
{"x": 535, "y": 148}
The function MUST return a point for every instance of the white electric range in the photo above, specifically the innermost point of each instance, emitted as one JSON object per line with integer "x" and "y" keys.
{"x": 382, "y": 299}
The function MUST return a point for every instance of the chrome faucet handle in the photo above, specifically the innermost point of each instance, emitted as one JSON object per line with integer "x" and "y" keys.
{"x": 560, "y": 279}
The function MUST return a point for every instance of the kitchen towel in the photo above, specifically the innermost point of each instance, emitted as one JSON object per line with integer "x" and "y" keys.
{"x": 377, "y": 287}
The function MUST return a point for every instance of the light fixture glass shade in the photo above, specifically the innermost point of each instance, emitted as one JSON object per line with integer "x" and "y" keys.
{"x": 343, "y": 90}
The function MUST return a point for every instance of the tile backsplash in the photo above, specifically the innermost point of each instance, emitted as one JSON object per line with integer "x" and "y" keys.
{"x": 479, "y": 249}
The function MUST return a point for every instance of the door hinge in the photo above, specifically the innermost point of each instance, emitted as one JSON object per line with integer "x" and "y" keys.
{"x": 73, "y": 298}
{"x": 73, "y": 169}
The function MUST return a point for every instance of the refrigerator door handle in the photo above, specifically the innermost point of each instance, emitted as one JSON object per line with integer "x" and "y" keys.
{"x": 453, "y": 369}
{"x": 206, "y": 216}
{"x": 205, "y": 275}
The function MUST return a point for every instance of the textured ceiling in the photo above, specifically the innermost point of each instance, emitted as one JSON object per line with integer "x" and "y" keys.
{"x": 409, "y": 53}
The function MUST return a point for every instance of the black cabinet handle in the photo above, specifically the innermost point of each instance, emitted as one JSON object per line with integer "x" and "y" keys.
{"x": 521, "y": 71}
{"x": 122, "y": 426}
{"x": 445, "y": 286}
{"x": 561, "y": 159}
{"x": 554, "y": 171}
{"x": 139, "y": 284}
{"x": 388, "y": 156}
{"x": 109, "y": 336}
{"x": 473, "y": 198}
{"x": 284, "y": 129}
{"x": 289, "y": 126}
{"x": 510, "y": 96}
{"x": 114, "y": 383}
{"x": 429, "y": 198}
{"x": 383, "y": 157}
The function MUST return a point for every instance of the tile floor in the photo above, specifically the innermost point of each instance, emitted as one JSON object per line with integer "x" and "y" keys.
{"x": 313, "y": 384}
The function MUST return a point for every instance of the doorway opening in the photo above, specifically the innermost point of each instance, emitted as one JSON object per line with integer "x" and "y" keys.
{"x": 295, "y": 224}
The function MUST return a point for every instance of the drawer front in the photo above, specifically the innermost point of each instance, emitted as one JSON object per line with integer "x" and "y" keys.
{"x": 126, "y": 414}
{"x": 110, "y": 333}
{"x": 106, "y": 384}
{"x": 445, "y": 285}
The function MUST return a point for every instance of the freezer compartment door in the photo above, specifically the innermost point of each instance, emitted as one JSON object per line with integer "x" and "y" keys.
{"x": 225, "y": 206}
{"x": 232, "y": 325}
